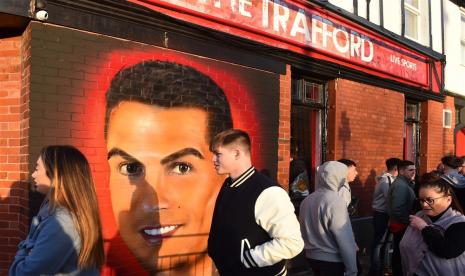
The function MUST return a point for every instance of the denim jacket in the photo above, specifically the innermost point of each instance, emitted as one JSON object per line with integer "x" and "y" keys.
{"x": 51, "y": 248}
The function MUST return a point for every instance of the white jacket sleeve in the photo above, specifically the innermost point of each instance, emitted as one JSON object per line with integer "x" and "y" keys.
{"x": 274, "y": 212}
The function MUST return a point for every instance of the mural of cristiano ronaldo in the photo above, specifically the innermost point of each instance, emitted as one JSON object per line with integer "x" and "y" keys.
{"x": 160, "y": 118}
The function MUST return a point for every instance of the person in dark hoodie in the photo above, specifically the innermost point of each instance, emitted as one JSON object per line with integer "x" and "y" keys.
{"x": 330, "y": 246}
{"x": 452, "y": 166}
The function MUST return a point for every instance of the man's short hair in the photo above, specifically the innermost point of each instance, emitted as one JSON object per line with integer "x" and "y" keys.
{"x": 229, "y": 137}
{"x": 347, "y": 162}
{"x": 451, "y": 161}
{"x": 392, "y": 163}
{"x": 170, "y": 85}
{"x": 404, "y": 164}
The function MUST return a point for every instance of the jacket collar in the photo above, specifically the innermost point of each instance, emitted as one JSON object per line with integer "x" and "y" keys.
{"x": 242, "y": 178}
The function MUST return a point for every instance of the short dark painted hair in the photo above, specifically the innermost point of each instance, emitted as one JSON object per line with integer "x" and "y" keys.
{"x": 452, "y": 161}
{"x": 392, "y": 163}
{"x": 231, "y": 136}
{"x": 404, "y": 164}
{"x": 170, "y": 85}
{"x": 347, "y": 162}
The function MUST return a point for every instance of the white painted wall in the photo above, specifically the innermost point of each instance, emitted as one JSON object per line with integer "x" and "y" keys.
{"x": 455, "y": 71}
{"x": 374, "y": 11}
{"x": 392, "y": 10}
{"x": 347, "y": 5}
{"x": 436, "y": 25}
{"x": 362, "y": 8}
{"x": 392, "y": 16}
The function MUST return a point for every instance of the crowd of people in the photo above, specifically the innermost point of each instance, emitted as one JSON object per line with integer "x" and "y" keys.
{"x": 254, "y": 228}
{"x": 423, "y": 216}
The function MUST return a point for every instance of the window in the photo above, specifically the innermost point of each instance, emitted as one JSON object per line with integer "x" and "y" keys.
{"x": 447, "y": 118}
{"x": 307, "y": 123}
{"x": 462, "y": 38}
{"x": 416, "y": 21}
{"x": 412, "y": 132}
{"x": 412, "y": 14}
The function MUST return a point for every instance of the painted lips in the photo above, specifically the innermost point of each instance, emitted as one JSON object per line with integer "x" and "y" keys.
{"x": 154, "y": 235}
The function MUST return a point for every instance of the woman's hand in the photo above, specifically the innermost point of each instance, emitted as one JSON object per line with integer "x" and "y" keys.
{"x": 417, "y": 222}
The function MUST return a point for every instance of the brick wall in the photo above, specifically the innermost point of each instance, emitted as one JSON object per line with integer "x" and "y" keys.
{"x": 14, "y": 59}
{"x": 365, "y": 124}
{"x": 284, "y": 128}
{"x": 436, "y": 141}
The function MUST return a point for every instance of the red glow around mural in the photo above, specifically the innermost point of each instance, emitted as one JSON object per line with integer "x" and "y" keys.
{"x": 126, "y": 251}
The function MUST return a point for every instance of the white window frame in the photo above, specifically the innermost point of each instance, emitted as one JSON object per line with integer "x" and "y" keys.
{"x": 447, "y": 118}
{"x": 416, "y": 12}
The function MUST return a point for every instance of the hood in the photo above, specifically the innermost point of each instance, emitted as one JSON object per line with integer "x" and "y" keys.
{"x": 455, "y": 179}
{"x": 331, "y": 175}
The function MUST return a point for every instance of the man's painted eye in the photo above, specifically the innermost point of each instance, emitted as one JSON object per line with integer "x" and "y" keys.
{"x": 181, "y": 168}
{"x": 131, "y": 169}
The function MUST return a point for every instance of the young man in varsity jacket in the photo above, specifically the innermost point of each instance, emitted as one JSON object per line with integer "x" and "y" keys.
{"x": 254, "y": 228}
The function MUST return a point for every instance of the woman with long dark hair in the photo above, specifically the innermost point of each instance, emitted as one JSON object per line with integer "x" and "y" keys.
{"x": 434, "y": 243}
{"x": 66, "y": 236}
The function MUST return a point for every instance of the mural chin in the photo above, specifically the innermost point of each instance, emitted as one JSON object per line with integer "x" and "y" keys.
{"x": 169, "y": 247}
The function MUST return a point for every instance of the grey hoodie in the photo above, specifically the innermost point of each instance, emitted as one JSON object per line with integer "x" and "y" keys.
{"x": 324, "y": 220}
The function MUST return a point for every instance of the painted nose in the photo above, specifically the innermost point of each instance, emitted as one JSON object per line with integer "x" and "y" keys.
{"x": 159, "y": 196}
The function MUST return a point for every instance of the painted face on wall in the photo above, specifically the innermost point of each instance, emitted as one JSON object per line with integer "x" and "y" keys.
{"x": 163, "y": 186}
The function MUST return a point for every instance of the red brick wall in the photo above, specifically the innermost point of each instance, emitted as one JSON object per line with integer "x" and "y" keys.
{"x": 284, "y": 128}
{"x": 365, "y": 124}
{"x": 14, "y": 56}
{"x": 436, "y": 141}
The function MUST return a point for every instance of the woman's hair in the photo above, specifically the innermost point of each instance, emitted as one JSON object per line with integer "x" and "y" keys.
{"x": 442, "y": 187}
{"x": 72, "y": 188}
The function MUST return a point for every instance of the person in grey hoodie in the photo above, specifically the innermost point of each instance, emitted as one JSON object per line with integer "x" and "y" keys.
{"x": 326, "y": 229}
{"x": 452, "y": 166}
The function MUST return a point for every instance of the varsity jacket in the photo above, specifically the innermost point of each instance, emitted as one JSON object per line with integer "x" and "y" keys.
{"x": 51, "y": 248}
{"x": 254, "y": 228}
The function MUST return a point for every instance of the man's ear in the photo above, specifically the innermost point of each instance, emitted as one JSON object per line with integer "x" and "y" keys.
{"x": 237, "y": 153}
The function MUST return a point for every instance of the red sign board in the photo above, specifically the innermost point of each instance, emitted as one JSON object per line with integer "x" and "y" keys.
{"x": 311, "y": 31}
